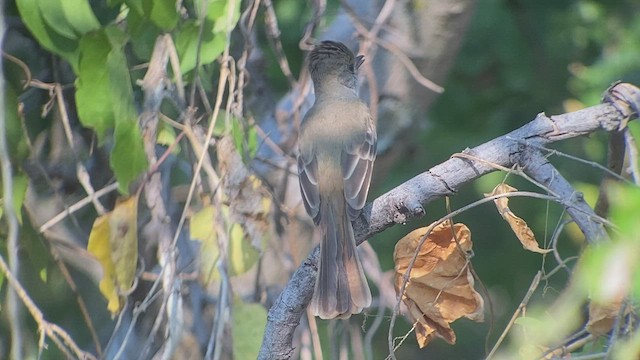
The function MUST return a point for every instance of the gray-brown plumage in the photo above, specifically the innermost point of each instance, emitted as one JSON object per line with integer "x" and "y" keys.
{"x": 337, "y": 149}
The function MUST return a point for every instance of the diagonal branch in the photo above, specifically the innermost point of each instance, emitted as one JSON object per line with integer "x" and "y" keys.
{"x": 407, "y": 201}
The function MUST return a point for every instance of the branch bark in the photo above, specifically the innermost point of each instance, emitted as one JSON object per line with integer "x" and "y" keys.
{"x": 408, "y": 200}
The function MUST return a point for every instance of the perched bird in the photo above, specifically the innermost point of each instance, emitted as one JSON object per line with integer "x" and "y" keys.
{"x": 337, "y": 148}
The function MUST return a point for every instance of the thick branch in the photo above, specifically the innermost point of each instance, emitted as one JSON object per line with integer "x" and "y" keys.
{"x": 407, "y": 201}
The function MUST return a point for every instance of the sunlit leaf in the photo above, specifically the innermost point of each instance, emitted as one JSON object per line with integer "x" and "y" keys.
{"x": 202, "y": 227}
{"x": 242, "y": 254}
{"x": 519, "y": 226}
{"x": 99, "y": 246}
{"x": 162, "y": 12}
{"x": 79, "y": 15}
{"x": 114, "y": 242}
{"x": 167, "y": 136}
{"x": 440, "y": 289}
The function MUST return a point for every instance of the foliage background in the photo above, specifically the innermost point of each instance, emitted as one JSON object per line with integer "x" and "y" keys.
{"x": 518, "y": 58}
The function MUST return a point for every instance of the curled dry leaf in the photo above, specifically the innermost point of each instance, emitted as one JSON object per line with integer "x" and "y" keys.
{"x": 114, "y": 242}
{"x": 603, "y": 316}
{"x": 519, "y": 226}
{"x": 440, "y": 287}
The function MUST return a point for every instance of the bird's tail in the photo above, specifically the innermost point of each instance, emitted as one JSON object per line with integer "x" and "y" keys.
{"x": 341, "y": 287}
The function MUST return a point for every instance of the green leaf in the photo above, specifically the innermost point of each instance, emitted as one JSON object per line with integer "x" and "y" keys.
{"x": 47, "y": 37}
{"x": 242, "y": 254}
{"x": 20, "y": 183}
{"x": 53, "y": 14}
{"x": 136, "y": 5}
{"x": 218, "y": 12}
{"x": 128, "y": 159}
{"x": 93, "y": 89}
{"x": 114, "y": 3}
{"x": 44, "y": 275}
{"x": 18, "y": 148}
{"x": 249, "y": 321}
{"x": 252, "y": 142}
{"x": 162, "y": 13}
{"x": 143, "y": 34}
{"x": 237, "y": 133}
{"x": 211, "y": 46}
{"x": 167, "y": 136}
{"x": 79, "y": 15}
{"x": 104, "y": 99}
{"x": 214, "y": 39}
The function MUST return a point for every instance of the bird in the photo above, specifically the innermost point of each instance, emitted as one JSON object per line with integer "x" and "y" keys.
{"x": 337, "y": 148}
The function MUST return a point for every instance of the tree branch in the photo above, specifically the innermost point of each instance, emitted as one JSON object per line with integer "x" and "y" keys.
{"x": 407, "y": 201}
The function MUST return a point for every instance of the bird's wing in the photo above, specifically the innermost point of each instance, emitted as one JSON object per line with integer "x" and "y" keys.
{"x": 357, "y": 163}
{"x": 308, "y": 176}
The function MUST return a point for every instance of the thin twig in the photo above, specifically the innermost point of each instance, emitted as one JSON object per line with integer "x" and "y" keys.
{"x": 77, "y": 206}
{"x": 523, "y": 304}
{"x": 273, "y": 32}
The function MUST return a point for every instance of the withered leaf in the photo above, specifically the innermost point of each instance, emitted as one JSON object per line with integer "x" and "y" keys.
{"x": 114, "y": 242}
{"x": 440, "y": 287}
{"x": 603, "y": 316}
{"x": 519, "y": 226}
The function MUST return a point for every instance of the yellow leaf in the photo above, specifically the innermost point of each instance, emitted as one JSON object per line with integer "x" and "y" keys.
{"x": 123, "y": 239}
{"x": 242, "y": 255}
{"x": 99, "y": 247}
{"x": 441, "y": 287}
{"x": 519, "y": 226}
{"x": 114, "y": 242}
{"x": 202, "y": 229}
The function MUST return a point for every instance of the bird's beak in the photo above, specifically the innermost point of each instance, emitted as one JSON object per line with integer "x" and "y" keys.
{"x": 359, "y": 61}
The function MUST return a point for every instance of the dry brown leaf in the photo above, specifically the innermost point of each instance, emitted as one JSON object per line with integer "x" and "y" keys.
{"x": 519, "y": 226}
{"x": 440, "y": 288}
{"x": 603, "y": 316}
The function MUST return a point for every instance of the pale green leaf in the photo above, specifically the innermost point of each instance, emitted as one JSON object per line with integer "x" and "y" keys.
{"x": 20, "y": 183}
{"x": 162, "y": 13}
{"x": 249, "y": 321}
{"x": 242, "y": 254}
{"x": 79, "y": 15}
{"x": 44, "y": 275}
{"x": 202, "y": 229}
{"x": 128, "y": 159}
